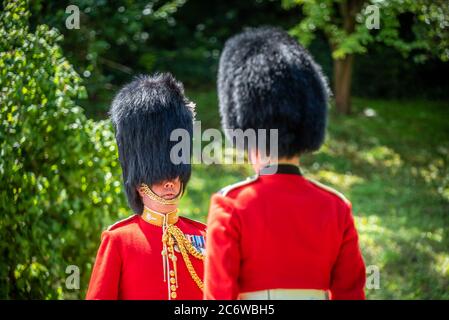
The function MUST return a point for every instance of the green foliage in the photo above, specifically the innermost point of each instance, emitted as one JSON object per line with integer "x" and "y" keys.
{"x": 432, "y": 28}
{"x": 343, "y": 24}
{"x": 111, "y": 38}
{"x": 60, "y": 177}
{"x": 120, "y": 39}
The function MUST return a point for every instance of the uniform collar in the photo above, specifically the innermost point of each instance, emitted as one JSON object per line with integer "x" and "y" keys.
{"x": 282, "y": 168}
{"x": 159, "y": 219}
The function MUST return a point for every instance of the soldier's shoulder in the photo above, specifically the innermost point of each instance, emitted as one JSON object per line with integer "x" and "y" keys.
{"x": 195, "y": 223}
{"x": 122, "y": 223}
{"x": 238, "y": 186}
{"x": 338, "y": 195}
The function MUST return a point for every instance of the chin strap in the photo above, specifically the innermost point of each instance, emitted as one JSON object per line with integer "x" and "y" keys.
{"x": 153, "y": 196}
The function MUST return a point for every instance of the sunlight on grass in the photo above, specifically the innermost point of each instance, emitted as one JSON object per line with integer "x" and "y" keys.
{"x": 442, "y": 264}
{"x": 382, "y": 154}
{"x": 343, "y": 181}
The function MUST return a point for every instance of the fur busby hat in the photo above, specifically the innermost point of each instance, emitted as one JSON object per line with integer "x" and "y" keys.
{"x": 144, "y": 114}
{"x": 266, "y": 80}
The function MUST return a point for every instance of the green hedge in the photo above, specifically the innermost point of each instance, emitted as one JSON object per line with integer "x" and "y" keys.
{"x": 60, "y": 178}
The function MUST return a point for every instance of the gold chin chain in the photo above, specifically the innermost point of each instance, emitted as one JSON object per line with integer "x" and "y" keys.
{"x": 147, "y": 190}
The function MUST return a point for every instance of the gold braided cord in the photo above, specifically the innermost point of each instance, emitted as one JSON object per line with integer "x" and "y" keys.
{"x": 179, "y": 236}
{"x": 147, "y": 190}
{"x": 185, "y": 247}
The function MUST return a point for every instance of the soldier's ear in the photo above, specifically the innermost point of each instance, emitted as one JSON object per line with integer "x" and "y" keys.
{"x": 140, "y": 191}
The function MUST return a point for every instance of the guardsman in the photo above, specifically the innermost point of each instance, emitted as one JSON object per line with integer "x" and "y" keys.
{"x": 155, "y": 253}
{"x": 279, "y": 235}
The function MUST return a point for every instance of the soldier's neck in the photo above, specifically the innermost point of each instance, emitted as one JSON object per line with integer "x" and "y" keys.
{"x": 293, "y": 161}
{"x": 258, "y": 164}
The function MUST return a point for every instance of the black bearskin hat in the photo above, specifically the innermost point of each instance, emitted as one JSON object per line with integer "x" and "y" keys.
{"x": 144, "y": 114}
{"x": 266, "y": 80}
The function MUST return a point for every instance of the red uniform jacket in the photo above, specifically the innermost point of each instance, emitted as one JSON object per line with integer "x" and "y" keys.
{"x": 282, "y": 231}
{"x": 129, "y": 263}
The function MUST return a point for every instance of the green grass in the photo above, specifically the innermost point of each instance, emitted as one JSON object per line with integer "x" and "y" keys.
{"x": 393, "y": 166}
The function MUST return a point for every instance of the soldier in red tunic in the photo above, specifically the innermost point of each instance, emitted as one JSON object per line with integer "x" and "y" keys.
{"x": 153, "y": 254}
{"x": 281, "y": 235}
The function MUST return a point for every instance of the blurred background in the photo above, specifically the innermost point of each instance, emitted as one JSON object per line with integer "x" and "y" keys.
{"x": 387, "y": 145}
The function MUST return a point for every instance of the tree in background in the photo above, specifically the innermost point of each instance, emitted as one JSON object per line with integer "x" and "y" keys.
{"x": 59, "y": 171}
{"x": 344, "y": 24}
{"x": 119, "y": 39}
{"x": 112, "y": 37}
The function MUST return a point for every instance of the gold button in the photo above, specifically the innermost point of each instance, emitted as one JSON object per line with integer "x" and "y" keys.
{"x": 172, "y": 280}
{"x": 173, "y": 287}
{"x": 173, "y": 295}
{"x": 172, "y": 273}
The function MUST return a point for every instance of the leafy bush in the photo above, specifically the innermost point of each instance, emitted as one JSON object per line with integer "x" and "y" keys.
{"x": 59, "y": 171}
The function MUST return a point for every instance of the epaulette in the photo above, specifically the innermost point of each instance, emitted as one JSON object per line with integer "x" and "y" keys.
{"x": 239, "y": 184}
{"x": 122, "y": 222}
{"x": 329, "y": 189}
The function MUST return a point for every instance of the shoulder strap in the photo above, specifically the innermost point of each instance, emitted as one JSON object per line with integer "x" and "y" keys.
{"x": 329, "y": 189}
{"x": 121, "y": 222}
{"x": 231, "y": 187}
